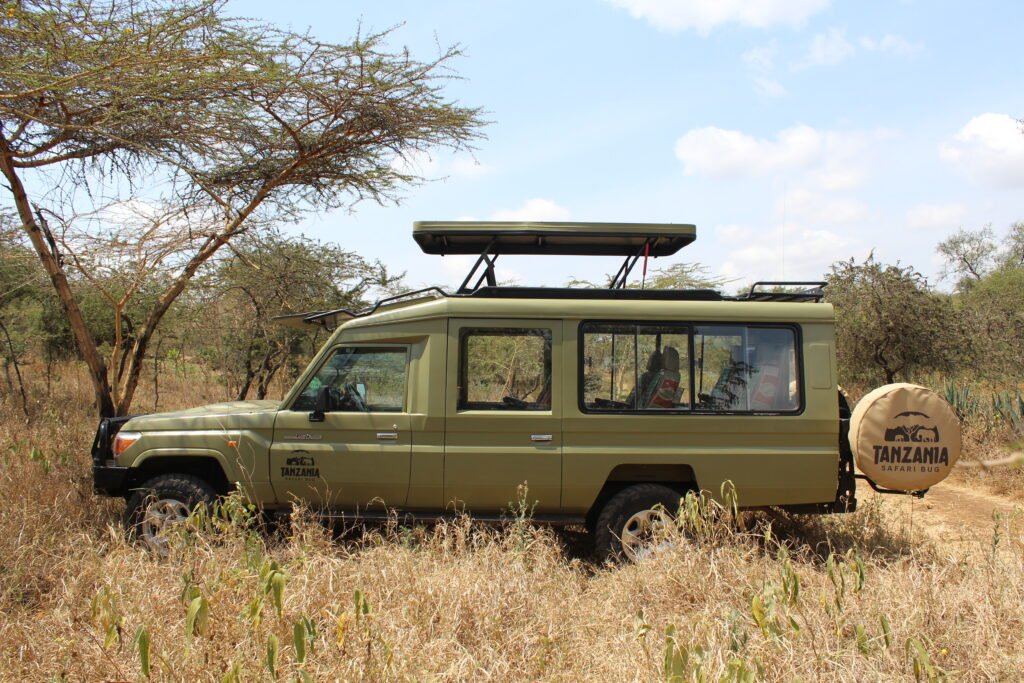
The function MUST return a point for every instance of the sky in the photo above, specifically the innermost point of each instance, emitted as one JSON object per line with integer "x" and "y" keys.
{"x": 793, "y": 133}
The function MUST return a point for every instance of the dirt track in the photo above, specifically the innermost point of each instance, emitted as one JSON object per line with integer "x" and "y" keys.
{"x": 953, "y": 513}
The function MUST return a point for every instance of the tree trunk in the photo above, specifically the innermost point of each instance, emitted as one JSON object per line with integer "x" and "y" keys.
{"x": 17, "y": 370}
{"x": 156, "y": 376}
{"x": 272, "y": 362}
{"x": 129, "y": 381}
{"x": 86, "y": 344}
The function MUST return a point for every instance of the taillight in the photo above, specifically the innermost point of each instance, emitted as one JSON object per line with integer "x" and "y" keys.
{"x": 123, "y": 440}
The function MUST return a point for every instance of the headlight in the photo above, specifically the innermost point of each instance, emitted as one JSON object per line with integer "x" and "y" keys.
{"x": 123, "y": 440}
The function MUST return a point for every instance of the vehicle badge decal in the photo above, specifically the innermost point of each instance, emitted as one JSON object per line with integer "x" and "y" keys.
{"x": 305, "y": 437}
{"x": 300, "y": 467}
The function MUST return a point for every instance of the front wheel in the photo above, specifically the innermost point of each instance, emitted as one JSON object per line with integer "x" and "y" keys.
{"x": 162, "y": 503}
{"x": 632, "y": 520}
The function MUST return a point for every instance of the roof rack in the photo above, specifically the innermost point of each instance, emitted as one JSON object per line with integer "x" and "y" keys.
{"x": 814, "y": 290}
{"x": 491, "y": 239}
{"x": 330, "y": 319}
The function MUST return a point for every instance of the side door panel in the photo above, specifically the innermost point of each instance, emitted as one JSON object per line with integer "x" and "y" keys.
{"x": 360, "y": 453}
{"x": 349, "y": 460}
{"x": 494, "y": 447}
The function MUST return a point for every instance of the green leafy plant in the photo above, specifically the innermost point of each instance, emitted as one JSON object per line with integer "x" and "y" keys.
{"x": 921, "y": 664}
{"x": 273, "y": 649}
{"x": 106, "y": 614}
{"x": 142, "y": 644}
{"x": 303, "y": 636}
{"x": 197, "y": 617}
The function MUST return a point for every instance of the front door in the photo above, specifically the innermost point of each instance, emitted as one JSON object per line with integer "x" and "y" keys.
{"x": 358, "y": 455}
{"x": 503, "y": 431}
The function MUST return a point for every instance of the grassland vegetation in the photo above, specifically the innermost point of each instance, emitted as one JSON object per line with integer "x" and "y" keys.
{"x": 865, "y": 596}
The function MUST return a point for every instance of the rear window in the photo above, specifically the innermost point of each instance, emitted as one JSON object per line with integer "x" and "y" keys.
{"x": 636, "y": 367}
{"x": 682, "y": 367}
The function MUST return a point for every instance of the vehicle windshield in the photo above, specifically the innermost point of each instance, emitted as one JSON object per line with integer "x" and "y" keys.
{"x": 359, "y": 379}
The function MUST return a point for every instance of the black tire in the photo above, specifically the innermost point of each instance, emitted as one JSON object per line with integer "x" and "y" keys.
{"x": 622, "y": 507}
{"x": 182, "y": 492}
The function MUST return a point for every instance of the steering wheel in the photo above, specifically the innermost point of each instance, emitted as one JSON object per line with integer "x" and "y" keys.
{"x": 514, "y": 402}
{"x": 353, "y": 399}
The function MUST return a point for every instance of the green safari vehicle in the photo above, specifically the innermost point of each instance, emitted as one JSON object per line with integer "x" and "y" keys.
{"x": 594, "y": 406}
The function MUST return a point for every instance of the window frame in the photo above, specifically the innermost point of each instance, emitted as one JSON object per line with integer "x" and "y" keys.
{"x": 691, "y": 326}
{"x": 333, "y": 351}
{"x": 548, "y": 335}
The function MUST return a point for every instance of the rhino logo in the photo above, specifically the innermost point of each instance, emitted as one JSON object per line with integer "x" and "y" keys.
{"x": 300, "y": 461}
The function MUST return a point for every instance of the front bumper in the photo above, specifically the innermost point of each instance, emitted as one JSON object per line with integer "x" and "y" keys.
{"x": 109, "y": 481}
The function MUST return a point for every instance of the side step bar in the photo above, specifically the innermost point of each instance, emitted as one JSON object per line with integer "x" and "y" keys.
{"x": 413, "y": 517}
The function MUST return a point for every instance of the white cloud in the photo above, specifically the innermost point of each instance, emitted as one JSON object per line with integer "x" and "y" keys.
{"x": 533, "y": 210}
{"x": 991, "y": 148}
{"x": 891, "y": 44}
{"x": 456, "y": 266}
{"x": 760, "y": 62}
{"x": 769, "y": 87}
{"x": 827, "y": 49}
{"x": 803, "y": 157}
{"x": 761, "y": 59}
{"x": 705, "y": 15}
{"x": 731, "y": 153}
{"x": 832, "y": 47}
{"x": 834, "y": 176}
{"x": 789, "y": 253}
{"x": 935, "y": 215}
{"x": 811, "y": 207}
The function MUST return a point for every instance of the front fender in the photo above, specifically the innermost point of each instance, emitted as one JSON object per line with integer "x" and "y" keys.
{"x": 166, "y": 459}
{"x": 146, "y": 458}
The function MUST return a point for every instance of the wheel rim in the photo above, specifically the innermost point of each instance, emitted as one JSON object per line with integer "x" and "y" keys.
{"x": 641, "y": 532}
{"x": 159, "y": 518}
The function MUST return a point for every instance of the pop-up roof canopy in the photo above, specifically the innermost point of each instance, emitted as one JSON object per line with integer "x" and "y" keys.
{"x": 556, "y": 239}
{"x": 489, "y": 240}
{"x": 492, "y": 239}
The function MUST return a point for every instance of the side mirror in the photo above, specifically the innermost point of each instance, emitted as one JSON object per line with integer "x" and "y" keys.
{"x": 322, "y": 404}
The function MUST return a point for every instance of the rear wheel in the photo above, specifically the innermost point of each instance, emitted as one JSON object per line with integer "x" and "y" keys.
{"x": 632, "y": 521}
{"x": 162, "y": 503}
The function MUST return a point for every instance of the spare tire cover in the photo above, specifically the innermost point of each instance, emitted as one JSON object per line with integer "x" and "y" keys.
{"x": 904, "y": 437}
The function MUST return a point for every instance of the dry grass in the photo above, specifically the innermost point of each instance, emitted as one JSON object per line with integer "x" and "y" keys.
{"x": 456, "y": 602}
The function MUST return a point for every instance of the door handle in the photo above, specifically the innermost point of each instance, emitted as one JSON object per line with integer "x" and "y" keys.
{"x": 540, "y": 438}
{"x": 387, "y": 436}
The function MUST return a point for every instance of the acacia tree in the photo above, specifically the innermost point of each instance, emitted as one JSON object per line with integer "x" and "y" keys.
{"x": 235, "y": 124}
{"x": 890, "y": 323}
{"x": 675, "y": 276}
{"x": 270, "y": 274}
{"x": 18, "y": 282}
{"x": 990, "y": 281}
{"x": 972, "y": 255}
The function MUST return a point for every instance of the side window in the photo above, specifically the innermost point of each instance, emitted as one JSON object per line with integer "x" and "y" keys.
{"x": 505, "y": 368}
{"x": 722, "y": 373}
{"x": 360, "y": 379}
{"x": 745, "y": 369}
{"x": 629, "y": 367}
